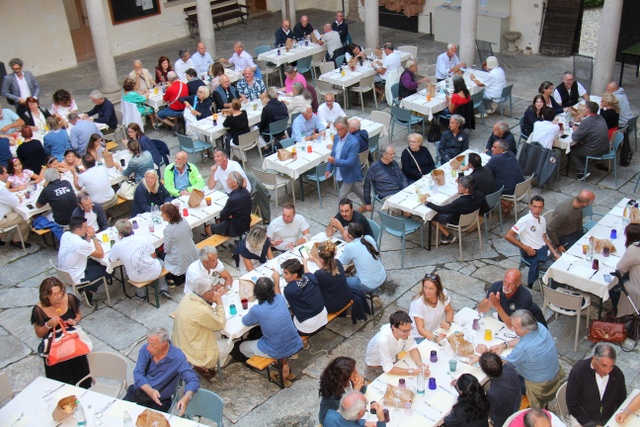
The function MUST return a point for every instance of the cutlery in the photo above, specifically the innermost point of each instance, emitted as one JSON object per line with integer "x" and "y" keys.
{"x": 19, "y": 418}
{"x": 499, "y": 338}
{"x": 54, "y": 390}
{"x": 107, "y": 406}
{"x": 569, "y": 267}
{"x": 424, "y": 415}
{"x": 447, "y": 390}
{"x": 594, "y": 273}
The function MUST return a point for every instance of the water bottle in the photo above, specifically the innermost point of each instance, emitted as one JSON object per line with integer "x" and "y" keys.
{"x": 78, "y": 413}
{"x": 590, "y": 251}
{"x": 126, "y": 420}
{"x": 420, "y": 383}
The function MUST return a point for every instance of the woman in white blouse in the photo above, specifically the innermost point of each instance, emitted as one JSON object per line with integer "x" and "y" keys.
{"x": 430, "y": 309}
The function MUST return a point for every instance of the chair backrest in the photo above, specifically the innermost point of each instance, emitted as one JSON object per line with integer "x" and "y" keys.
{"x": 287, "y": 142}
{"x": 119, "y": 116}
{"x": 381, "y": 117}
{"x": 261, "y": 49}
{"x": 207, "y": 404}
{"x": 339, "y": 61}
{"x": 376, "y": 230}
{"x": 493, "y": 199}
{"x": 262, "y": 65}
{"x": 324, "y": 87}
{"x": 185, "y": 141}
{"x": 131, "y": 114}
{"x": 327, "y": 66}
{"x": 304, "y": 64}
{"x": 477, "y": 98}
{"x": 62, "y": 275}
{"x": 561, "y": 398}
{"x": 413, "y": 50}
{"x": 431, "y": 70}
{"x": 248, "y": 139}
{"x": 583, "y": 70}
{"x": 565, "y": 301}
{"x": 467, "y": 219}
{"x": 395, "y": 90}
{"x": 467, "y": 111}
{"x": 108, "y": 365}
{"x": 363, "y": 156}
{"x": 278, "y": 127}
{"x": 506, "y": 91}
{"x": 318, "y": 58}
{"x": 294, "y": 116}
{"x": 6, "y": 392}
{"x": 373, "y": 141}
{"x": 394, "y": 223}
{"x": 400, "y": 114}
{"x": 522, "y": 134}
{"x": 617, "y": 140}
{"x": 367, "y": 82}
{"x": 632, "y": 124}
{"x": 523, "y": 188}
{"x": 265, "y": 177}
{"x": 484, "y": 50}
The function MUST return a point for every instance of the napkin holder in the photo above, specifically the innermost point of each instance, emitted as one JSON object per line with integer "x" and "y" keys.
{"x": 457, "y": 162}
{"x": 64, "y": 408}
{"x": 431, "y": 90}
{"x": 284, "y": 154}
{"x": 438, "y": 176}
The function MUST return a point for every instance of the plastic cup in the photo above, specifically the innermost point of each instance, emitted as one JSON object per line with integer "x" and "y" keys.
{"x": 134, "y": 223}
{"x": 595, "y": 264}
{"x": 155, "y": 90}
{"x": 432, "y": 384}
{"x": 232, "y": 310}
{"x": 208, "y": 200}
{"x": 488, "y": 335}
{"x": 453, "y": 365}
{"x": 402, "y": 383}
{"x": 614, "y": 234}
{"x": 245, "y": 303}
{"x": 152, "y": 227}
{"x": 387, "y": 418}
{"x": 434, "y": 356}
{"x": 185, "y": 212}
{"x": 105, "y": 237}
{"x": 605, "y": 252}
{"x": 585, "y": 249}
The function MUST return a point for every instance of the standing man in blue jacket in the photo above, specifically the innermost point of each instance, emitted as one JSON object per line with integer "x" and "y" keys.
{"x": 345, "y": 162}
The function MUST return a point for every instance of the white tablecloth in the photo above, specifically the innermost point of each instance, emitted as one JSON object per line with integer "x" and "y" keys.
{"x": 632, "y": 420}
{"x": 300, "y": 51}
{"x": 205, "y": 128}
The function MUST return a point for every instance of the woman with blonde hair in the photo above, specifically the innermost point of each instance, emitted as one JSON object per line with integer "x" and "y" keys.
{"x": 610, "y": 111}
{"x": 430, "y": 309}
{"x": 150, "y": 191}
{"x": 416, "y": 159}
{"x": 253, "y": 250}
{"x": 331, "y": 277}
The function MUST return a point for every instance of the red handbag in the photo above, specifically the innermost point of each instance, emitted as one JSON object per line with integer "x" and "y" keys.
{"x": 65, "y": 347}
{"x": 607, "y": 331}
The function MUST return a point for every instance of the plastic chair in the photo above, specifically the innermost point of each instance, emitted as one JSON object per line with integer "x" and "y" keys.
{"x": 366, "y": 85}
{"x": 404, "y": 118}
{"x": 521, "y": 192}
{"x": 246, "y": 142}
{"x": 316, "y": 175}
{"x": 493, "y": 200}
{"x": 383, "y": 118}
{"x": 364, "y": 160}
{"x": 304, "y": 66}
{"x": 506, "y": 94}
{"x": 413, "y": 50}
{"x": 588, "y": 212}
{"x": 68, "y": 280}
{"x": 561, "y": 398}
{"x": 632, "y": 129}
{"x": 567, "y": 303}
{"x": 317, "y": 59}
{"x": 104, "y": 364}
{"x": 399, "y": 227}
{"x": 15, "y": 227}
{"x": 326, "y": 67}
{"x": 276, "y": 128}
{"x": 477, "y": 99}
{"x": 611, "y": 155}
{"x": 6, "y": 391}
{"x": 273, "y": 181}
{"x": 395, "y": 93}
{"x": 192, "y": 147}
{"x": 205, "y": 404}
{"x": 265, "y": 67}
{"x": 523, "y": 137}
{"x": 287, "y": 142}
{"x": 325, "y": 88}
{"x": 465, "y": 223}
{"x": 339, "y": 61}
{"x": 131, "y": 114}
{"x": 431, "y": 70}
{"x": 376, "y": 230}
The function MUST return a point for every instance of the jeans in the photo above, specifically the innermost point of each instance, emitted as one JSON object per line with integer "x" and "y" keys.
{"x": 541, "y": 255}
{"x": 168, "y": 112}
{"x": 356, "y": 284}
{"x": 94, "y": 271}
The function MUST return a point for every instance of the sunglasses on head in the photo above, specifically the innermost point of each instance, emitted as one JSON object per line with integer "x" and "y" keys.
{"x": 431, "y": 276}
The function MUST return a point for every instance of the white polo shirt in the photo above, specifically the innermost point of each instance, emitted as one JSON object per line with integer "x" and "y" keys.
{"x": 531, "y": 230}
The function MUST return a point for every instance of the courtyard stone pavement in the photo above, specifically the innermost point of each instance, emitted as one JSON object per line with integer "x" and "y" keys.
{"x": 250, "y": 400}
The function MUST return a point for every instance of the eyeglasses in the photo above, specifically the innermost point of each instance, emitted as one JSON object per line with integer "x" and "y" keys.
{"x": 16, "y": 68}
{"x": 404, "y": 331}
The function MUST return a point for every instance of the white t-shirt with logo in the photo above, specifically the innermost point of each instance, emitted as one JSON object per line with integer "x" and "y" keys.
{"x": 135, "y": 254}
{"x": 531, "y": 230}
{"x": 73, "y": 254}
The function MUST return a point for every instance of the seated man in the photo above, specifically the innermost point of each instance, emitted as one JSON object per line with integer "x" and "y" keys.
{"x": 330, "y": 111}
{"x": 175, "y": 108}
{"x": 385, "y": 176}
{"x": 197, "y": 326}
{"x": 235, "y": 217}
{"x": 142, "y": 77}
{"x": 283, "y": 33}
{"x": 493, "y": 83}
{"x": 159, "y": 367}
{"x": 345, "y": 216}
{"x": 504, "y": 395}
{"x": 534, "y": 356}
{"x": 103, "y": 108}
{"x": 361, "y": 135}
{"x": 60, "y": 196}
{"x": 81, "y": 132}
{"x": 274, "y": 111}
{"x": 95, "y": 181}
{"x": 76, "y": 246}
{"x": 595, "y": 388}
{"x": 448, "y": 62}
{"x": 180, "y": 177}
{"x": 193, "y": 81}
{"x": 531, "y": 232}
{"x": 303, "y": 29}
{"x": 207, "y": 265}
{"x": 183, "y": 63}
{"x": 289, "y": 229}
{"x": 138, "y": 256}
{"x": 505, "y": 167}
{"x": 250, "y": 87}
{"x": 507, "y": 296}
{"x": 469, "y": 201}
{"x": 341, "y": 27}
{"x": 384, "y": 68}
{"x": 545, "y": 132}
{"x": 9, "y": 121}
{"x": 8, "y": 201}
{"x": 392, "y": 339}
{"x": 483, "y": 175}
{"x": 224, "y": 93}
{"x": 501, "y": 131}
{"x": 241, "y": 59}
{"x": 569, "y": 92}
{"x": 591, "y": 136}
{"x": 332, "y": 39}
{"x": 307, "y": 127}
{"x": 353, "y": 407}
{"x": 202, "y": 59}
{"x": 92, "y": 212}
{"x": 626, "y": 113}
{"x": 565, "y": 227}
{"x": 221, "y": 169}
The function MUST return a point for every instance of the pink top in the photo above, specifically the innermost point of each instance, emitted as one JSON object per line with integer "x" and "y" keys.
{"x": 288, "y": 83}
{"x": 17, "y": 181}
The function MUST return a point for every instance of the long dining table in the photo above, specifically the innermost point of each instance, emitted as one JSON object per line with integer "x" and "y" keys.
{"x": 281, "y": 55}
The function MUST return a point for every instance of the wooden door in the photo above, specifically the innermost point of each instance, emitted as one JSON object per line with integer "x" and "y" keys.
{"x": 561, "y": 27}
{"x": 260, "y": 4}
{"x": 79, "y": 28}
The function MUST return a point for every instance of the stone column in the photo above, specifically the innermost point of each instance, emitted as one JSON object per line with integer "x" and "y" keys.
{"x": 371, "y": 29}
{"x": 289, "y": 11}
{"x": 104, "y": 57}
{"x": 607, "y": 44}
{"x": 205, "y": 26}
{"x": 468, "y": 27}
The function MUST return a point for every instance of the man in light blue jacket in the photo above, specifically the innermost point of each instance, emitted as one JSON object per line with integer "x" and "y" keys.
{"x": 344, "y": 161}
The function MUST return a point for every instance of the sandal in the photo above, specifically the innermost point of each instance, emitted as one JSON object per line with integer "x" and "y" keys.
{"x": 275, "y": 377}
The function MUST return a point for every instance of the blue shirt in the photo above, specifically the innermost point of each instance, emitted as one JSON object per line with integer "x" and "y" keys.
{"x": 181, "y": 180}
{"x": 56, "y": 143}
{"x": 201, "y": 62}
{"x": 303, "y": 127}
{"x": 252, "y": 93}
{"x": 334, "y": 419}
{"x": 8, "y": 117}
{"x": 80, "y": 134}
{"x": 535, "y": 356}
{"x": 160, "y": 373}
{"x": 370, "y": 271}
{"x": 339, "y": 146}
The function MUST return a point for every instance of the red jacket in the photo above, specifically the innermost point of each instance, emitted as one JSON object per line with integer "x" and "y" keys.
{"x": 173, "y": 93}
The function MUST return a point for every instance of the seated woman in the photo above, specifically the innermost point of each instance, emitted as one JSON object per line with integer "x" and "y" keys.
{"x": 162, "y": 69}
{"x": 363, "y": 253}
{"x": 454, "y": 140}
{"x": 408, "y": 84}
{"x": 71, "y": 160}
{"x": 472, "y": 407}
{"x": 139, "y": 164}
{"x": 304, "y": 297}
{"x": 331, "y": 278}
{"x": 430, "y": 310}
{"x": 134, "y": 132}
{"x": 149, "y": 191}
{"x": 20, "y": 178}
{"x": 199, "y": 105}
{"x": 31, "y": 152}
{"x": 630, "y": 263}
{"x": 215, "y": 71}
{"x": 300, "y": 101}
{"x": 280, "y": 338}
{"x": 179, "y": 249}
{"x": 96, "y": 147}
{"x": 293, "y": 76}
{"x": 33, "y": 114}
{"x": 65, "y": 172}
{"x": 532, "y": 114}
{"x": 610, "y": 110}
{"x": 253, "y": 250}
{"x": 416, "y": 159}
{"x": 130, "y": 95}
{"x": 338, "y": 377}
{"x": 56, "y": 141}
{"x": 63, "y": 105}
{"x": 238, "y": 123}
{"x": 546, "y": 90}
{"x": 461, "y": 95}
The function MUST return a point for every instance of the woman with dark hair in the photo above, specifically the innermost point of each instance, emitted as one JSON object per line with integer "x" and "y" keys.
{"x": 461, "y": 95}
{"x": 56, "y": 141}
{"x": 215, "y": 71}
{"x": 63, "y": 105}
{"x": 304, "y": 297}
{"x": 20, "y": 178}
{"x": 149, "y": 191}
{"x": 130, "y": 95}
{"x": 134, "y": 132}
{"x": 430, "y": 310}
{"x": 472, "y": 407}
{"x": 238, "y": 123}
{"x": 546, "y": 90}
{"x": 162, "y": 69}
{"x": 363, "y": 253}
{"x": 280, "y": 338}
{"x": 179, "y": 249}
{"x": 253, "y": 250}
{"x": 139, "y": 164}
{"x": 330, "y": 275}
{"x": 30, "y": 152}
{"x": 95, "y": 147}
{"x": 630, "y": 263}
{"x": 340, "y": 376}
{"x": 55, "y": 308}
{"x": 33, "y": 114}
{"x": 532, "y": 114}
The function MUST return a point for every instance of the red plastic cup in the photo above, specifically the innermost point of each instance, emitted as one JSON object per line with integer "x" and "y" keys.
{"x": 245, "y": 303}
{"x": 185, "y": 212}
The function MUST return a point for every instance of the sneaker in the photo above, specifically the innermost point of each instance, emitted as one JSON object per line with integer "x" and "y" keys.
{"x": 140, "y": 297}
{"x": 582, "y": 176}
{"x": 165, "y": 294}
{"x": 445, "y": 240}
{"x": 377, "y": 302}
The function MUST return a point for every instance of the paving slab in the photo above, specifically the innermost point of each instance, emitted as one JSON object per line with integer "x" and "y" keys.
{"x": 12, "y": 350}
{"x": 114, "y": 328}
{"x": 18, "y": 297}
{"x": 16, "y": 322}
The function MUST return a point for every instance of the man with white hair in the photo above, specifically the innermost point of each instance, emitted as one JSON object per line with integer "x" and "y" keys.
{"x": 8, "y": 218}
{"x": 289, "y": 229}
{"x": 202, "y": 59}
{"x": 241, "y": 59}
{"x": 103, "y": 108}
{"x": 501, "y": 131}
{"x": 361, "y": 135}
{"x": 142, "y": 77}
{"x": 353, "y": 406}
{"x": 307, "y": 126}
{"x": 221, "y": 169}
{"x": 251, "y": 87}
{"x": 207, "y": 265}
{"x": 197, "y": 326}
{"x": 330, "y": 110}
{"x": 235, "y": 217}
{"x": 493, "y": 83}
{"x": 175, "y": 108}
{"x": 183, "y": 63}
{"x": 448, "y": 62}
